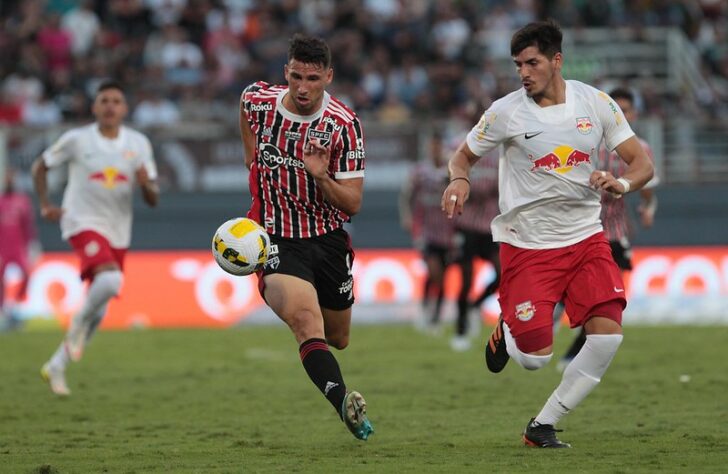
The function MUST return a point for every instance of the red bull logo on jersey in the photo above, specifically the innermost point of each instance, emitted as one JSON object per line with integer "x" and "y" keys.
{"x": 583, "y": 125}
{"x": 525, "y": 311}
{"x": 562, "y": 159}
{"x": 109, "y": 177}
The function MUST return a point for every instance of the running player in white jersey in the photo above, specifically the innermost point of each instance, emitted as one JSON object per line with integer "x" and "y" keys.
{"x": 305, "y": 151}
{"x": 552, "y": 245}
{"x": 614, "y": 216}
{"x": 105, "y": 161}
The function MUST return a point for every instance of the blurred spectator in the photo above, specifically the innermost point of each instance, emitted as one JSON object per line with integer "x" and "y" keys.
{"x": 450, "y": 32}
{"x": 11, "y": 112}
{"x": 393, "y": 111}
{"x": 55, "y": 43}
{"x": 41, "y": 113}
{"x": 82, "y": 24}
{"x": 181, "y": 59}
{"x": 155, "y": 111}
{"x": 22, "y": 87}
{"x": 226, "y": 57}
{"x": 430, "y": 53}
{"x": 166, "y": 12}
{"x": 409, "y": 80}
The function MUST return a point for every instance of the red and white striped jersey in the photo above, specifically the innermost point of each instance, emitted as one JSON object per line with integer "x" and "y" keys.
{"x": 482, "y": 205}
{"x": 429, "y": 224}
{"x": 614, "y": 211}
{"x": 286, "y": 199}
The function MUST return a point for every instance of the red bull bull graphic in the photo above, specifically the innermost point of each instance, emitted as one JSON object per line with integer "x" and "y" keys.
{"x": 583, "y": 125}
{"x": 562, "y": 159}
{"x": 109, "y": 177}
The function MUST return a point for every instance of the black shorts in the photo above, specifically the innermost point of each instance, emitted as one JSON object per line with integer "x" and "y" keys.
{"x": 476, "y": 244}
{"x": 442, "y": 253}
{"x": 324, "y": 261}
{"x": 622, "y": 254}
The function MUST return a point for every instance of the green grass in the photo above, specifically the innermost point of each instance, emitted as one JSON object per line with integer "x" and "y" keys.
{"x": 239, "y": 401}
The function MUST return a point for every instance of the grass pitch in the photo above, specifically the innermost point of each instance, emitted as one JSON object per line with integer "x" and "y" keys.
{"x": 239, "y": 401}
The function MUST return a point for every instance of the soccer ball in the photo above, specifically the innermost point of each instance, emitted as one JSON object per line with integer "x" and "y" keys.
{"x": 240, "y": 246}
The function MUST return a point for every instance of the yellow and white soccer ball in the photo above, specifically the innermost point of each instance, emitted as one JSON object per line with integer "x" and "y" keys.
{"x": 240, "y": 246}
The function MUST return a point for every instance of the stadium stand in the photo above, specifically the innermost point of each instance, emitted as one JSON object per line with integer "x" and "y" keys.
{"x": 406, "y": 66}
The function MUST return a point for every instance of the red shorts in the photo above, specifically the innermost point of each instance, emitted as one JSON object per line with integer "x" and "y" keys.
{"x": 582, "y": 275}
{"x": 93, "y": 249}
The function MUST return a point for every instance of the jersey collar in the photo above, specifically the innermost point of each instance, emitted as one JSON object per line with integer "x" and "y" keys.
{"x": 300, "y": 118}
{"x": 553, "y": 113}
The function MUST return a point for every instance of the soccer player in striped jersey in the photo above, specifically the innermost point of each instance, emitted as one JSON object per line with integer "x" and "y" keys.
{"x": 614, "y": 216}
{"x": 432, "y": 232}
{"x": 305, "y": 152}
{"x": 473, "y": 234}
{"x": 105, "y": 160}
{"x": 552, "y": 244}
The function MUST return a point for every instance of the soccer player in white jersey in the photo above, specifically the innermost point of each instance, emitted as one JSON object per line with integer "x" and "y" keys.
{"x": 552, "y": 244}
{"x": 305, "y": 151}
{"x": 105, "y": 161}
{"x": 614, "y": 216}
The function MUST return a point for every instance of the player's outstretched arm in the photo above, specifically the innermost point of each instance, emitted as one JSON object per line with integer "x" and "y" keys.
{"x": 639, "y": 170}
{"x": 406, "y": 204}
{"x": 246, "y": 133}
{"x": 48, "y": 210}
{"x": 150, "y": 189}
{"x": 458, "y": 191}
{"x": 647, "y": 207}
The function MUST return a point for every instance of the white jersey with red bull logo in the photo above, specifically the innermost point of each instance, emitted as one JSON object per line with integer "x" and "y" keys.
{"x": 101, "y": 179}
{"x": 548, "y": 154}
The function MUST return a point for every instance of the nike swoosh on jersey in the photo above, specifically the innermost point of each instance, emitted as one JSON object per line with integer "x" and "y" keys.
{"x": 618, "y": 290}
{"x": 532, "y": 134}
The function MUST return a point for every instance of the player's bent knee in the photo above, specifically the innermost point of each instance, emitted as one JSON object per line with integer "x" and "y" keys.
{"x": 535, "y": 362}
{"x": 339, "y": 342}
{"x": 605, "y": 318}
{"x": 109, "y": 282}
{"x": 303, "y": 325}
{"x": 536, "y": 341}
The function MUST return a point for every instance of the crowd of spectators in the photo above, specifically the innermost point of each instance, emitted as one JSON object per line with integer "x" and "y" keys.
{"x": 188, "y": 60}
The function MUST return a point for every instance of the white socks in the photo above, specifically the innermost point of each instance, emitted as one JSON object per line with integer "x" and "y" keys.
{"x": 527, "y": 361}
{"x": 105, "y": 286}
{"x": 60, "y": 358}
{"x": 580, "y": 377}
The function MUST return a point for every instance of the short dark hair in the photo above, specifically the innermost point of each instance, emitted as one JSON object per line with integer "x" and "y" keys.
{"x": 622, "y": 93}
{"x": 109, "y": 84}
{"x": 309, "y": 50}
{"x": 545, "y": 35}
